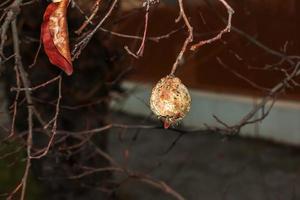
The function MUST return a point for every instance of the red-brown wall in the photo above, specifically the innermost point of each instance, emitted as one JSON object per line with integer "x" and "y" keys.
{"x": 272, "y": 22}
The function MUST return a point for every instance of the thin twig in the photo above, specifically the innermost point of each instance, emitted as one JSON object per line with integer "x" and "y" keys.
{"x": 44, "y": 84}
{"x": 227, "y": 29}
{"x": 54, "y": 121}
{"x": 26, "y": 84}
{"x": 82, "y": 44}
{"x": 187, "y": 41}
{"x": 90, "y": 18}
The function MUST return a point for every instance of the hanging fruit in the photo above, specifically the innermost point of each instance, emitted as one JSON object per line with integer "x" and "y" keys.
{"x": 55, "y": 37}
{"x": 170, "y": 100}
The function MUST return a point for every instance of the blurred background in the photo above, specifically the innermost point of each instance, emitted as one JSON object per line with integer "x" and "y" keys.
{"x": 227, "y": 79}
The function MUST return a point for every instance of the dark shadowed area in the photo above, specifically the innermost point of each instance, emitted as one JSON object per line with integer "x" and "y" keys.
{"x": 79, "y": 136}
{"x": 206, "y": 165}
